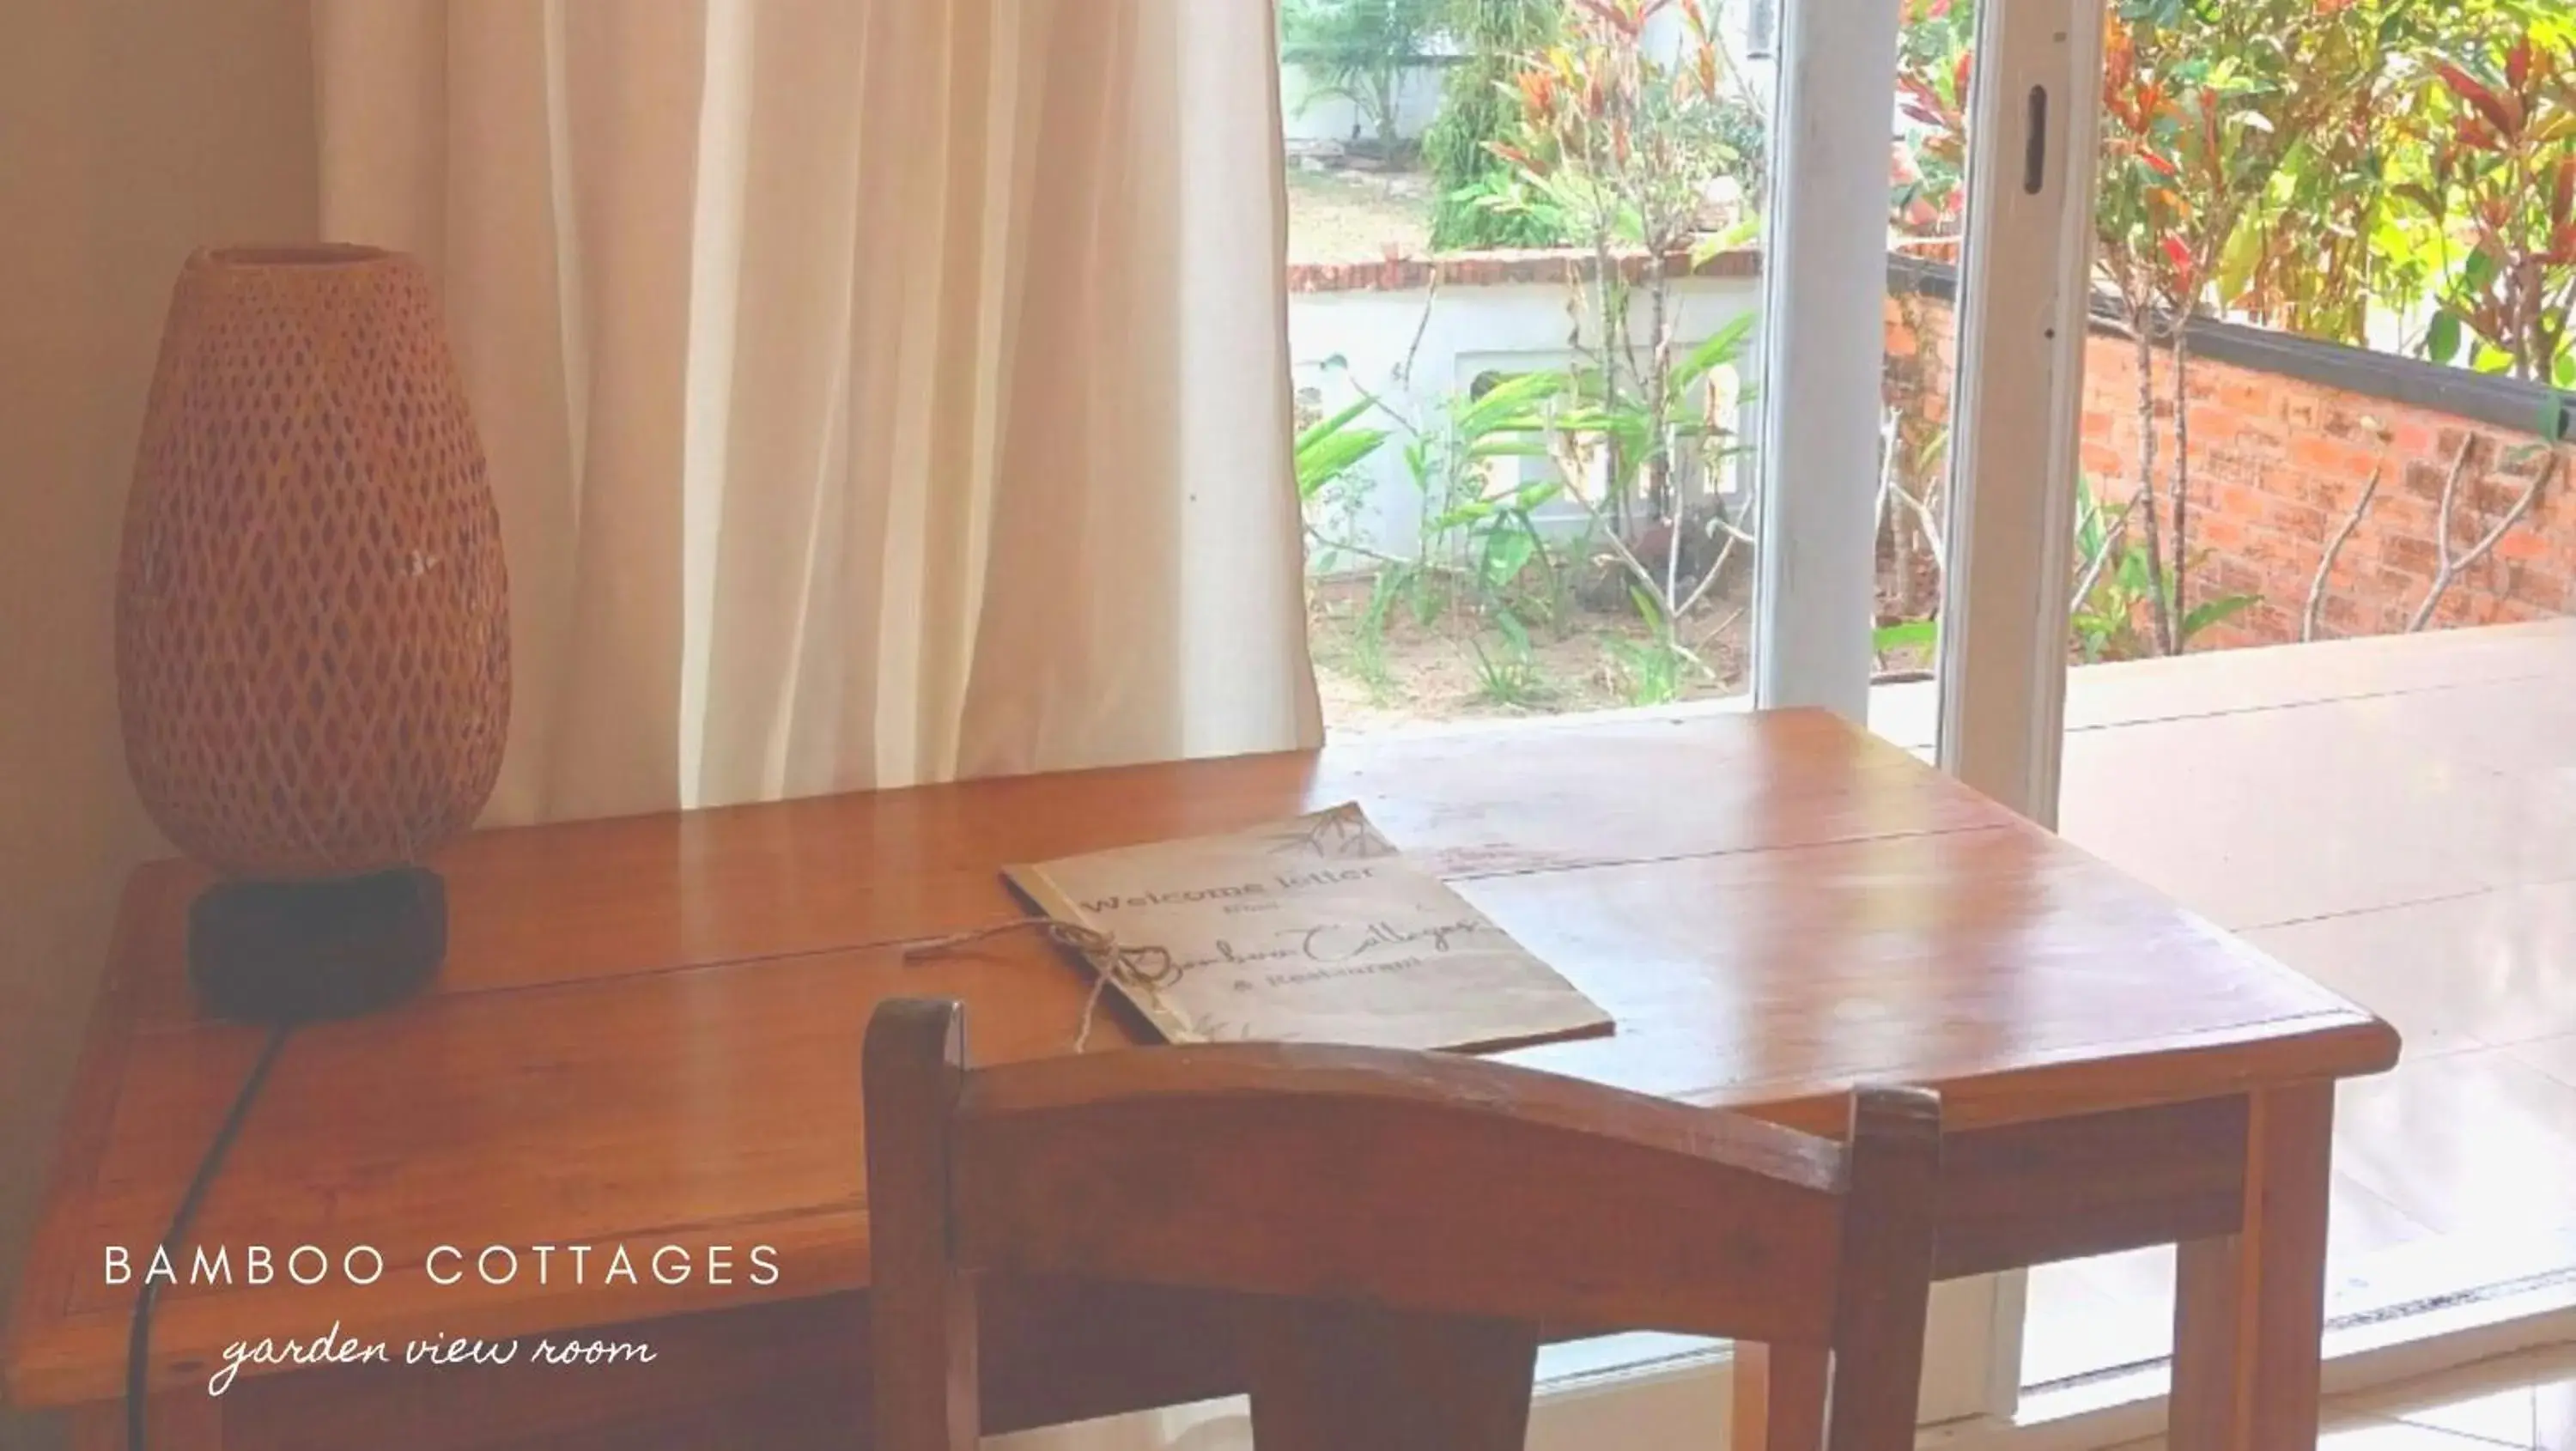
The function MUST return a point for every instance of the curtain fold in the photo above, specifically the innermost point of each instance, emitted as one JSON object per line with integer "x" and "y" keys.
{"x": 877, "y": 391}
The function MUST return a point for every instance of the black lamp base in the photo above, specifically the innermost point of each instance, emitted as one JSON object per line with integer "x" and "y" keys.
{"x": 293, "y": 952}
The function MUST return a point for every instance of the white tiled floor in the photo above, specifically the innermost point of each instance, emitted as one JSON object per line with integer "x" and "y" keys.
{"x": 2396, "y": 818}
{"x": 2524, "y": 1401}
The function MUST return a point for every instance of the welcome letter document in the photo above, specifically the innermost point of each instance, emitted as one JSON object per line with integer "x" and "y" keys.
{"x": 1308, "y": 931}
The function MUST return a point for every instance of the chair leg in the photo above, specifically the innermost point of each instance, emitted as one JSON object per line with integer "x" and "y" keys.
{"x": 1350, "y": 1378}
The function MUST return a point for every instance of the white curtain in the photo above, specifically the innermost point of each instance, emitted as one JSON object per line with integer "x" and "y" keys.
{"x": 876, "y": 390}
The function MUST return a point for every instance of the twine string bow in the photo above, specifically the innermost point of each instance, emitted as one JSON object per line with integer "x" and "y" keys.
{"x": 1145, "y": 970}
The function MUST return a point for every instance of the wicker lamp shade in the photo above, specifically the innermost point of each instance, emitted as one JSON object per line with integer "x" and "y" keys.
{"x": 313, "y": 657}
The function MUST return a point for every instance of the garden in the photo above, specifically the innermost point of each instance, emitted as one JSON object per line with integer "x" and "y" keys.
{"x": 2392, "y": 176}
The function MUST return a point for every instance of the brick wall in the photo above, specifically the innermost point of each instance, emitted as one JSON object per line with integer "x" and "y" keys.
{"x": 2277, "y": 464}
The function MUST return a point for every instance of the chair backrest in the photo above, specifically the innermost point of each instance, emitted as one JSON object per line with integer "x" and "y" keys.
{"x": 1411, "y": 1223}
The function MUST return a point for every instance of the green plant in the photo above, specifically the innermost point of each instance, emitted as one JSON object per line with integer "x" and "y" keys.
{"x": 2500, "y": 120}
{"x": 1329, "y": 449}
{"x": 1649, "y": 672}
{"x": 1472, "y": 204}
{"x": 1642, "y": 441}
{"x": 2206, "y": 107}
{"x": 1493, "y": 542}
{"x": 1935, "y": 62}
{"x": 1495, "y": 210}
{"x": 2326, "y": 246}
{"x": 1327, "y": 457}
{"x": 1590, "y": 429}
{"x": 1360, "y": 50}
{"x": 1653, "y": 670}
{"x": 1626, "y": 142}
{"x": 1917, "y": 637}
{"x": 1627, "y": 145}
{"x": 1368, "y": 638}
{"x": 1481, "y": 540}
{"x": 2113, "y": 581}
{"x": 1489, "y": 531}
{"x": 1509, "y": 674}
{"x": 2119, "y": 581}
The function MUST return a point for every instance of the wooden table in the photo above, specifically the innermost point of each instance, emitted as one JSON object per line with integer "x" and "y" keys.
{"x": 647, "y": 1034}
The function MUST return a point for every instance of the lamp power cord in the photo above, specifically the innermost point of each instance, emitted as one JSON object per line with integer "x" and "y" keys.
{"x": 138, "y": 1343}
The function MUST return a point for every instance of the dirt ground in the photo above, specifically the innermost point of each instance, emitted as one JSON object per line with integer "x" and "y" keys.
{"x": 1427, "y": 673}
{"x": 1356, "y": 216}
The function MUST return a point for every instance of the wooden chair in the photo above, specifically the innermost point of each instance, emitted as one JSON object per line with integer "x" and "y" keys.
{"x": 1401, "y": 1225}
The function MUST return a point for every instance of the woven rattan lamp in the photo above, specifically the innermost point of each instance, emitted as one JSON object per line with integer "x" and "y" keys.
{"x": 312, "y": 625}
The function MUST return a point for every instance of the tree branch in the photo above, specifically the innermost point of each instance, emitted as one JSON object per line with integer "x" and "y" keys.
{"x": 1362, "y": 551}
{"x": 2449, "y": 569}
{"x": 1932, "y": 542}
{"x": 2334, "y": 546}
{"x": 2450, "y": 499}
{"x": 2159, "y": 604}
{"x": 1724, "y": 551}
{"x": 2112, "y": 534}
{"x": 1569, "y": 464}
{"x": 2180, "y": 607}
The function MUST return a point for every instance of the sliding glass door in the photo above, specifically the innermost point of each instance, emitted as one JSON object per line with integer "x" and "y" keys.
{"x": 1862, "y": 364}
{"x": 1698, "y": 354}
{"x": 1923, "y": 372}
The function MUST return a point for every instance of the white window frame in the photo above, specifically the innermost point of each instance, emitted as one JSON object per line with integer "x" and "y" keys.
{"x": 1824, "y": 264}
{"x": 2024, "y": 313}
{"x": 2016, "y": 417}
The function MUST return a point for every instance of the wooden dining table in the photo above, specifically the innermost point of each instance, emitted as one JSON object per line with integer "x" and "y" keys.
{"x": 646, "y": 1037}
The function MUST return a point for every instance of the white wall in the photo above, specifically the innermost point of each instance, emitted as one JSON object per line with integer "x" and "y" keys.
{"x": 1310, "y": 118}
{"x": 1343, "y": 342}
{"x": 130, "y": 132}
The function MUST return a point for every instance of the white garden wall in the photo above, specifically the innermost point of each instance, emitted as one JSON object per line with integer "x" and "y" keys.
{"x": 1416, "y": 346}
{"x": 1310, "y": 118}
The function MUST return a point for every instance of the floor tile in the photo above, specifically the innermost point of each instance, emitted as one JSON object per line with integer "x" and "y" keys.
{"x": 2523, "y": 728}
{"x": 2284, "y": 815}
{"x": 2553, "y": 1056}
{"x": 2527, "y": 1399}
{"x": 2348, "y": 1431}
{"x": 2554, "y": 1398}
{"x": 2485, "y": 1401}
{"x": 2373, "y": 1435}
{"x": 2503, "y": 1416}
{"x": 2523, "y": 734}
{"x": 2361, "y": 1221}
{"x": 2228, "y": 681}
{"x": 2496, "y": 966}
{"x": 2475, "y": 1142}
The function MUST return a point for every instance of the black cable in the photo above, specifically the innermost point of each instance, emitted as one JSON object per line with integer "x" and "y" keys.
{"x": 138, "y": 1344}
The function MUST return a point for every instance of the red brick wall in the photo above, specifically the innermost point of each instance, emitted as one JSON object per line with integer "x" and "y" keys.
{"x": 2277, "y": 464}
